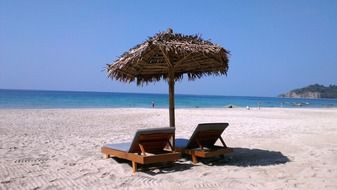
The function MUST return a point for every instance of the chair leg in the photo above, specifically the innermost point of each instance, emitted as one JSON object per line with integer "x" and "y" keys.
{"x": 134, "y": 167}
{"x": 106, "y": 156}
{"x": 194, "y": 159}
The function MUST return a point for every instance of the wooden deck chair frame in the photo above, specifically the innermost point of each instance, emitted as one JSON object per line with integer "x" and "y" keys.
{"x": 202, "y": 142}
{"x": 148, "y": 146}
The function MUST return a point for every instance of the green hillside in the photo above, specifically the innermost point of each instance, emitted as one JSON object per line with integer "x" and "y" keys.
{"x": 313, "y": 91}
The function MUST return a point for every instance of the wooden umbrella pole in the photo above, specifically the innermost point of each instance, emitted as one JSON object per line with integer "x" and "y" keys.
{"x": 171, "y": 100}
{"x": 171, "y": 86}
{"x": 171, "y": 106}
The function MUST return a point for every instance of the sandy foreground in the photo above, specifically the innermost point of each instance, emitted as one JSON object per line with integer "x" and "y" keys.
{"x": 274, "y": 148}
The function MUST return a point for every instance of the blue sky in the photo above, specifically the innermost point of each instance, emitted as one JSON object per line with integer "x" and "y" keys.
{"x": 275, "y": 46}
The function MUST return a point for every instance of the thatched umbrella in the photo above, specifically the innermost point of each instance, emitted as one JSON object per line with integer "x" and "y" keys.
{"x": 168, "y": 56}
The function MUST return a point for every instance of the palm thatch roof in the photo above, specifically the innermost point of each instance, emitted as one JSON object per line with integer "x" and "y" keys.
{"x": 169, "y": 54}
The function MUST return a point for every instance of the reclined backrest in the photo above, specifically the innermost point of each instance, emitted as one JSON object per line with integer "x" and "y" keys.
{"x": 154, "y": 140}
{"x": 206, "y": 134}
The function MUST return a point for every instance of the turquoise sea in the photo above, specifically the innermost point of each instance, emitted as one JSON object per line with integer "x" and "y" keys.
{"x": 71, "y": 99}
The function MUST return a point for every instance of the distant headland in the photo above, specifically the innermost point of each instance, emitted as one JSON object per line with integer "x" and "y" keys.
{"x": 312, "y": 91}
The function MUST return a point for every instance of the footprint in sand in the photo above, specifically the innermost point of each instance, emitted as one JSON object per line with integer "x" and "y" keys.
{"x": 6, "y": 180}
{"x": 30, "y": 160}
{"x": 140, "y": 181}
{"x": 207, "y": 185}
{"x": 232, "y": 183}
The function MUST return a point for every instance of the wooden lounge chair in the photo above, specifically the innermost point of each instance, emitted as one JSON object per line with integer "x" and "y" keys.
{"x": 202, "y": 142}
{"x": 148, "y": 146}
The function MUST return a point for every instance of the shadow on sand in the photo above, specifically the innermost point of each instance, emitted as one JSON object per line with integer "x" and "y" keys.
{"x": 158, "y": 168}
{"x": 245, "y": 157}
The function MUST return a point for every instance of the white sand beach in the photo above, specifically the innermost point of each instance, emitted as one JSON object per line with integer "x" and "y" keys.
{"x": 274, "y": 148}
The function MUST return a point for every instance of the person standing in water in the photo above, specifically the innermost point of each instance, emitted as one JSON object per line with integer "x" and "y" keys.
{"x": 152, "y": 104}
